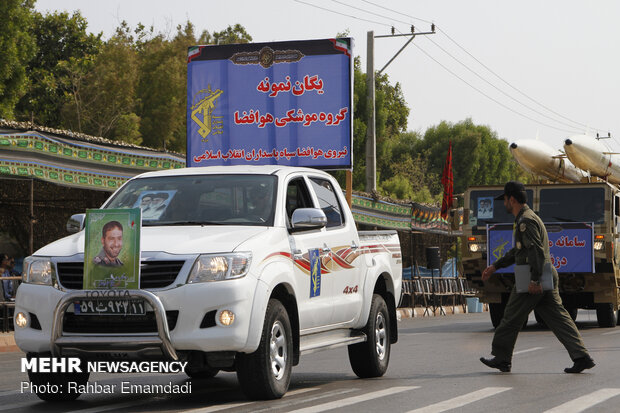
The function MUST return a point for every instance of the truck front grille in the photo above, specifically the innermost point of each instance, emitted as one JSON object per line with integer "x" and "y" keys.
{"x": 153, "y": 274}
{"x": 115, "y": 324}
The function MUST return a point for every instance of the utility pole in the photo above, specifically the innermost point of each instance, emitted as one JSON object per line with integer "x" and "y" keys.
{"x": 371, "y": 138}
{"x": 371, "y": 147}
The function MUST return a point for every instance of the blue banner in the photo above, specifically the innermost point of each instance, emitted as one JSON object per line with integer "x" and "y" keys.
{"x": 570, "y": 246}
{"x": 284, "y": 103}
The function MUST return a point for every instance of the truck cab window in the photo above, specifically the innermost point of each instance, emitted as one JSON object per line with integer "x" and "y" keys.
{"x": 297, "y": 196}
{"x": 328, "y": 201}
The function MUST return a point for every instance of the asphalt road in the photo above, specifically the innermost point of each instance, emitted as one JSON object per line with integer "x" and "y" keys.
{"x": 433, "y": 368}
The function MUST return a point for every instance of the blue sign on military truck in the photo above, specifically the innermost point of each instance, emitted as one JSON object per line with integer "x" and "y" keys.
{"x": 284, "y": 103}
{"x": 570, "y": 245}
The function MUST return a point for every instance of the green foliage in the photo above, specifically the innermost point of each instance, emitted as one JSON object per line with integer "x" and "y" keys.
{"x": 17, "y": 47}
{"x": 107, "y": 90}
{"x": 60, "y": 37}
{"x": 479, "y": 157}
{"x": 230, "y": 35}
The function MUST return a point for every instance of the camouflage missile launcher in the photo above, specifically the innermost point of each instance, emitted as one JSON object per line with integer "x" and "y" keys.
{"x": 583, "y": 223}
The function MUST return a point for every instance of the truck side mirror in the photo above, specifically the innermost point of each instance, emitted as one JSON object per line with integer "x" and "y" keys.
{"x": 76, "y": 223}
{"x": 308, "y": 218}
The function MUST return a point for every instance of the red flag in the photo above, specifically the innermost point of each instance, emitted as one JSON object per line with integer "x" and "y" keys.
{"x": 448, "y": 184}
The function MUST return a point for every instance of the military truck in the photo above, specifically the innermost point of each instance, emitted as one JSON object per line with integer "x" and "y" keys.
{"x": 583, "y": 222}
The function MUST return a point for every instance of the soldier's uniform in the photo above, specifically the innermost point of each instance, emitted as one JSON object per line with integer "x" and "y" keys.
{"x": 532, "y": 247}
{"x": 103, "y": 260}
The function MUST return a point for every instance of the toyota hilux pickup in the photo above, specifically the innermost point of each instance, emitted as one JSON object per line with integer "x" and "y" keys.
{"x": 241, "y": 269}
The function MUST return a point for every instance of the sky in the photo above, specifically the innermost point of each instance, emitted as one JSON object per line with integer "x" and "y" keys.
{"x": 529, "y": 70}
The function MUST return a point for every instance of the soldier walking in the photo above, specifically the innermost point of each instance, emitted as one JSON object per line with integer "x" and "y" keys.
{"x": 531, "y": 247}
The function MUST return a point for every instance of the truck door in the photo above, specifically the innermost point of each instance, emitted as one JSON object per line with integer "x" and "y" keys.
{"x": 307, "y": 249}
{"x": 339, "y": 240}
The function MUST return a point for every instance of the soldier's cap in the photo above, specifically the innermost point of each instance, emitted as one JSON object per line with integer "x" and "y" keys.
{"x": 515, "y": 189}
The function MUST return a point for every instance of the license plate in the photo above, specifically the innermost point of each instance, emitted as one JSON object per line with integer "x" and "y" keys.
{"x": 109, "y": 307}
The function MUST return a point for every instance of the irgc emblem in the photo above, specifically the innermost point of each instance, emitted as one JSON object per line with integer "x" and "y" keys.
{"x": 203, "y": 104}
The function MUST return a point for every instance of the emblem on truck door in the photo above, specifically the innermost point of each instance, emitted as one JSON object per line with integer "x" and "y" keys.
{"x": 315, "y": 272}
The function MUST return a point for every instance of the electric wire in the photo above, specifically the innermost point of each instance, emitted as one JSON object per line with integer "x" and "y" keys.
{"x": 487, "y": 96}
{"x": 342, "y": 14}
{"x": 486, "y": 67}
{"x": 463, "y": 64}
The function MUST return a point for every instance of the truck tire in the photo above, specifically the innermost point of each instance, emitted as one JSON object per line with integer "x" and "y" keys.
{"x": 266, "y": 373}
{"x": 605, "y": 315}
{"x": 496, "y": 310}
{"x": 53, "y": 387}
{"x": 371, "y": 358}
{"x": 203, "y": 373}
{"x": 572, "y": 311}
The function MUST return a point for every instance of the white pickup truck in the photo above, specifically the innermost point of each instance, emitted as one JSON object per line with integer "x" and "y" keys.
{"x": 243, "y": 269}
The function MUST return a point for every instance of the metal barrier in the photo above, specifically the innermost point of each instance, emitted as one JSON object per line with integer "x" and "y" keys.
{"x": 432, "y": 293}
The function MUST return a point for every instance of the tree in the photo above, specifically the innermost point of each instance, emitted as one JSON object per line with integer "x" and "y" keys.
{"x": 17, "y": 47}
{"x": 230, "y": 35}
{"x": 107, "y": 92}
{"x": 60, "y": 37}
{"x": 479, "y": 156}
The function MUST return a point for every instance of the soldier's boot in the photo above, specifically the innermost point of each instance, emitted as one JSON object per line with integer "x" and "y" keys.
{"x": 494, "y": 363}
{"x": 580, "y": 365}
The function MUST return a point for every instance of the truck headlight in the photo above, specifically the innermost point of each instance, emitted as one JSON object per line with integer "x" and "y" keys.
{"x": 218, "y": 267}
{"x": 477, "y": 247}
{"x": 38, "y": 271}
{"x": 598, "y": 245}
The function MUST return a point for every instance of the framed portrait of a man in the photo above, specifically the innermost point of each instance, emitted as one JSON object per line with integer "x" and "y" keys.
{"x": 112, "y": 249}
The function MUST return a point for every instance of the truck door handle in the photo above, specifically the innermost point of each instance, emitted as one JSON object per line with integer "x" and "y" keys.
{"x": 354, "y": 246}
{"x": 297, "y": 254}
{"x": 326, "y": 249}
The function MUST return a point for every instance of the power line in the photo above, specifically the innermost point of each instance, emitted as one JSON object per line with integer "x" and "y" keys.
{"x": 397, "y": 12}
{"x": 487, "y": 96}
{"x": 342, "y": 14}
{"x": 500, "y": 90}
{"x": 488, "y": 68}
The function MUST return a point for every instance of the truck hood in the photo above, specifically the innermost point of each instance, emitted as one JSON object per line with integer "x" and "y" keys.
{"x": 173, "y": 240}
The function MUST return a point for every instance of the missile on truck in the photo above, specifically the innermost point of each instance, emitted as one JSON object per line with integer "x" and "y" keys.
{"x": 540, "y": 159}
{"x": 589, "y": 154}
{"x": 583, "y": 223}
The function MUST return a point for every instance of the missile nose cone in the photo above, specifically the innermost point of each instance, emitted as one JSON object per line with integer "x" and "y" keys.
{"x": 513, "y": 145}
{"x": 568, "y": 142}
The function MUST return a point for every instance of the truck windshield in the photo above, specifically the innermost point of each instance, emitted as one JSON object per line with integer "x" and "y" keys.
{"x": 201, "y": 199}
{"x": 486, "y": 210}
{"x": 572, "y": 205}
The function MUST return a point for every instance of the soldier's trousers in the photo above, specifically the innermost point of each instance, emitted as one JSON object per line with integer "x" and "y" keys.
{"x": 549, "y": 307}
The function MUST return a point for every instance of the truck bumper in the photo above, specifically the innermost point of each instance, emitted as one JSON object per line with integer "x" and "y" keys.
{"x": 181, "y": 319}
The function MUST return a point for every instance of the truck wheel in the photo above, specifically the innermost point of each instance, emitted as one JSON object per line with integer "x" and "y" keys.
{"x": 371, "y": 358}
{"x": 54, "y": 387}
{"x": 266, "y": 373}
{"x": 605, "y": 315}
{"x": 572, "y": 311}
{"x": 496, "y": 310}
{"x": 203, "y": 373}
{"x": 539, "y": 320}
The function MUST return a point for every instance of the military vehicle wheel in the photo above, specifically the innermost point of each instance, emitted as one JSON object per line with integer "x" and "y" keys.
{"x": 266, "y": 373}
{"x": 605, "y": 315}
{"x": 572, "y": 311}
{"x": 496, "y": 310}
{"x": 539, "y": 320}
{"x": 371, "y": 358}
